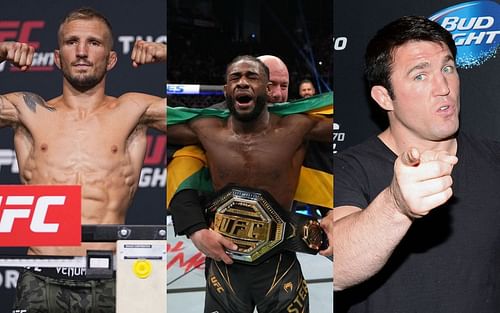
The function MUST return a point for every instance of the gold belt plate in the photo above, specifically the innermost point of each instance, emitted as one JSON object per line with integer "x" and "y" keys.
{"x": 249, "y": 220}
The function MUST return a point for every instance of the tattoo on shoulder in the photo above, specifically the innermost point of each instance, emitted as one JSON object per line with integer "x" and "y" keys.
{"x": 33, "y": 100}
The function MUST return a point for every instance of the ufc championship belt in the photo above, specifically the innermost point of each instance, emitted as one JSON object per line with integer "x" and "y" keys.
{"x": 257, "y": 224}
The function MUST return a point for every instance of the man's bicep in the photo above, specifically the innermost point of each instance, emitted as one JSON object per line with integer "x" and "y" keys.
{"x": 156, "y": 114}
{"x": 152, "y": 109}
{"x": 181, "y": 134}
{"x": 9, "y": 114}
{"x": 322, "y": 129}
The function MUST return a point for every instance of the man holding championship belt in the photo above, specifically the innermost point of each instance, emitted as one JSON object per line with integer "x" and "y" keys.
{"x": 254, "y": 157}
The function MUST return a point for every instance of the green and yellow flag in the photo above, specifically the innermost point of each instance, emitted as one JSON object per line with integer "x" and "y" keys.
{"x": 188, "y": 168}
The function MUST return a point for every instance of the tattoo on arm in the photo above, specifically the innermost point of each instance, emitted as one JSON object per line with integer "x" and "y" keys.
{"x": 32, "y": 100}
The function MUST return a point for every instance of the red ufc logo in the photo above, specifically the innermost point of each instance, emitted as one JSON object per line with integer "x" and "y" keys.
{"x": 40, "y": 215}
{"x": 156, "y": 150}
{"x": 20, "y": 31}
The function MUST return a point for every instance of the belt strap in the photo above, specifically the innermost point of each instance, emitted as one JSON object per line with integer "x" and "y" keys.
{"x": 310, "y": 237}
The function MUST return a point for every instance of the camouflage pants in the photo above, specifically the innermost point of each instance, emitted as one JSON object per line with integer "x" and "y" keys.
{"x": 40, "y": 294}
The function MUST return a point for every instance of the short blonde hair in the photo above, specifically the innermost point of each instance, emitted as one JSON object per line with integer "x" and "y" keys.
{"x": 86, "y": 13}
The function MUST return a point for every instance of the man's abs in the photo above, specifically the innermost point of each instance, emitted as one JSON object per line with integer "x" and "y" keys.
{"x": 105, "y": 199}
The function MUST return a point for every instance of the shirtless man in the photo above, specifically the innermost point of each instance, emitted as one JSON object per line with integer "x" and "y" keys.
{"x": 185, "y": 208}
{"x": 82, "y": 137}
{"x": 257, "y": 149}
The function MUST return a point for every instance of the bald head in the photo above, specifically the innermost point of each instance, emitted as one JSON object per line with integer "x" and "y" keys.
{"x": 278, "y": 76}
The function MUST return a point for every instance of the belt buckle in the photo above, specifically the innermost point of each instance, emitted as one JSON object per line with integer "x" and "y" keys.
{"x": 248, "y": 219}
{"x": 312, "y": 234}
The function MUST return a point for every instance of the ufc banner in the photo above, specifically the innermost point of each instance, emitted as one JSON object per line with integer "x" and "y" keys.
{"x": 40, "y": 215}
{"x": 37, "y": 23}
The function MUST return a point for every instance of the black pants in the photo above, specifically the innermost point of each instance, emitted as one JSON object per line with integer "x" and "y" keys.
{"x": 277, "y": 285}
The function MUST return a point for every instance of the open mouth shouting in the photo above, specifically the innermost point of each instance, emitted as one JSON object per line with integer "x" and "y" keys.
{"x": 244, "y": 100}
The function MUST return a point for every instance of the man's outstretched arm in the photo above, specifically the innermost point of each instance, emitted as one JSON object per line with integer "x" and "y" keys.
{"x": 16, "y": 106}
{"x": 21, "y": 56}
{"x": 9, "y": 114}
{"x": 145, "y": 52}
{"x": 364, "y": 239}
{"x": 322, "y": 130}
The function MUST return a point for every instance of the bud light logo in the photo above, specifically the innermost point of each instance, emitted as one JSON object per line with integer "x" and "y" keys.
{"x": 475, "y": 27}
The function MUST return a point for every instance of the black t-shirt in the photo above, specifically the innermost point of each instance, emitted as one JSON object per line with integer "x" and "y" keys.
{"x": 449, "y": 261}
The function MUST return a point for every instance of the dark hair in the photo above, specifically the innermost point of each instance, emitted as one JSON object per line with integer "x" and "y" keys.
{"x": 251, "y": 58}
{"x": 379, "y": 55}
{"x": 306, "y": 81}
{"x": 86, "y": 13}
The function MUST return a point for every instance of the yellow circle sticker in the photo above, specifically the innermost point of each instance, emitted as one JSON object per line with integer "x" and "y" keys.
{"x": 142, "y": 268}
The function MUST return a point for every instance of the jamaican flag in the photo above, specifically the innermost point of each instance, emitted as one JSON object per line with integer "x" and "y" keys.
{"x": 188, "y": 167}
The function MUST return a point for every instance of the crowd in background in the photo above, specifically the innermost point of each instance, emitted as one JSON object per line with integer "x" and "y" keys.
{"x": 203, "y": 41}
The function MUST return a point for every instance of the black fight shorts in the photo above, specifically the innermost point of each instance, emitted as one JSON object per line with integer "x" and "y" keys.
{"x": 274, "y": 286}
